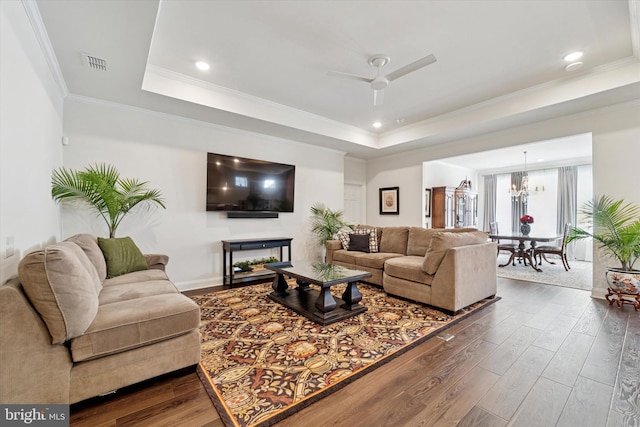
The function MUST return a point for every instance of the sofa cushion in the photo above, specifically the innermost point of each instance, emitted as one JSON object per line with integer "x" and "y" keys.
{"x": 419, "y": 240}
{"x": 375, "y": 260}
{"x": 344, "y": 256}
{"x": 442, "y": 241}
{"x": 394, "y": 239}
{"x": 61, "y": 283}
{"x": 122, "y": 256}
{"x": 134, "y": 323}
{"x": 408, "y": 268}
{"x": 136, "y": 277}
{"x": 127, "y": 291}
{"x": 89, "y": 244}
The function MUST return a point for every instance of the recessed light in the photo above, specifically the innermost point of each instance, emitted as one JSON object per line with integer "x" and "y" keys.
{"x": 573, "y": 56}
{"x": 400, "y": 120}
{"x": 202, "y": 65}
{"x": 574, "y": 66}
{"x": 377, "y": 125}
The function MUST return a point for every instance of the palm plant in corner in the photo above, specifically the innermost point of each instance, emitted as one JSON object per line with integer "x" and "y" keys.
{"x": 325, "y": 223}
{"x": 616, "y": 229}
{"x": 102, "y": 188}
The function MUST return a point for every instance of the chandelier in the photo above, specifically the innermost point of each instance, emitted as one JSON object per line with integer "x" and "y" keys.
{"x": 523, "y": 192}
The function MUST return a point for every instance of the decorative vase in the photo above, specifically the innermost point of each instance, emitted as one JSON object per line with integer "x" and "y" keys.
{"x": 525, "y": 228}
{"x": 625, "y": 282}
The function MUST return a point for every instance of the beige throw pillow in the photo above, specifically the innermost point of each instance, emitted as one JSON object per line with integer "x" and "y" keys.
{"x": 443, "y": 241}
{"x": 61, "y": 283}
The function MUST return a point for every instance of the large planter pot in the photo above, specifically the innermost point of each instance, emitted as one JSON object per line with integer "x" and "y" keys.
{"x": 624, "y": 287}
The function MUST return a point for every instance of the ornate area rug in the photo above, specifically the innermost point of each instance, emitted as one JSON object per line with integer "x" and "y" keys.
{"x": 580, "y": 276}
{"x": 262, "y": 362}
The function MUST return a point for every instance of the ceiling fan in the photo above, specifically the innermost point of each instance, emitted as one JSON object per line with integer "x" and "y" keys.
{"x": 380, "y": 82}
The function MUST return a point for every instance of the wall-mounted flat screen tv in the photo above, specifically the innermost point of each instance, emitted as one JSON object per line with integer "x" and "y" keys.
{"x": 237, "y": 184}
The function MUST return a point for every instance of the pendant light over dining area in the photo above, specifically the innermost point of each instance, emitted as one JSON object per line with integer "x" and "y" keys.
{"x": 521, "y": 192}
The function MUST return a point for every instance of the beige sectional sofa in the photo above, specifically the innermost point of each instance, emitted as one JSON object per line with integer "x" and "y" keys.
{"x": 445, "y": 268}
{"x": 68, "y": 333}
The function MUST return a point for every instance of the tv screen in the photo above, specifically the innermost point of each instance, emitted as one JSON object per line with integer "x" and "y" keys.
{"x": 240, "y": 184}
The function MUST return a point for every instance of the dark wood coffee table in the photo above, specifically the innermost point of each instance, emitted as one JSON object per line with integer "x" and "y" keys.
{"x": 317, "y": 305}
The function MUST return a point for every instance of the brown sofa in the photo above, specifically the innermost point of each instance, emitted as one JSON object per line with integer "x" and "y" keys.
{"x": 68, "y": 333}
{"x": 445, "y": 268}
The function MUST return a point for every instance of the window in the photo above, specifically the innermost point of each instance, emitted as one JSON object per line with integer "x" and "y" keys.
{"x": 542, "y": 203}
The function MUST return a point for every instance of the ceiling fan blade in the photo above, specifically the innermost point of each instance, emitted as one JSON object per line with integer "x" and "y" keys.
{"x": 350, "y": 76}
{"x": 378, "y": 97}
{"x": 427, "y": 60}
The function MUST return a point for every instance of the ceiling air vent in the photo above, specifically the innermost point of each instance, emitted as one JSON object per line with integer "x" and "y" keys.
{"x": 94, "y": 62}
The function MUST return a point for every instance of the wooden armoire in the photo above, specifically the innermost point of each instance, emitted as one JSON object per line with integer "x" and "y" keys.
{"x": 453, "y": 207}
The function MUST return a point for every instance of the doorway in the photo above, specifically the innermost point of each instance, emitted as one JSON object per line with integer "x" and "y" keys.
{"x": 354, "y": 203}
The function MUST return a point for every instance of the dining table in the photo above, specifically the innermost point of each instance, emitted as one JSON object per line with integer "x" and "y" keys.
{"x": 522, "y": 251}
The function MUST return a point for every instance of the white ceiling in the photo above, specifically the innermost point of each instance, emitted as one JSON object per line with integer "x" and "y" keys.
{"x": 499, "y": 63}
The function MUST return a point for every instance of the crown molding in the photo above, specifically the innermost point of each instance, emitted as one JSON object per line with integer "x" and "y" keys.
{"x": 181, "y": 119}
{"x": 173, "y": 84}
{"x": 40, "y": 31}
{"x": 623, "y": 70}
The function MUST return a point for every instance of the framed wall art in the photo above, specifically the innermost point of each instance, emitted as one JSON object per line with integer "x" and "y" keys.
{"x": 427, "y": 203}
{"x": 390, "y": 201}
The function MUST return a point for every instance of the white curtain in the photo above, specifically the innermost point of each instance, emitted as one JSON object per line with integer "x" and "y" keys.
{"x": 490, "y": 200}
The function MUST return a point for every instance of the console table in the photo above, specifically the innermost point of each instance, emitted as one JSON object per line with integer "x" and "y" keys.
{"x": 230, "y": 246}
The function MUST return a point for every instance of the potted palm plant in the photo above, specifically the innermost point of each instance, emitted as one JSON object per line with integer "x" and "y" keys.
{"x": 102, "y": 188}
{"x": 325, "y": 222}
{"x": 616, "y": 229}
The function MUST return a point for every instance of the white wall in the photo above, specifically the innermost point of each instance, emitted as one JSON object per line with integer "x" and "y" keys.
{"x": 395, "y": 171}
{"x": 615, "y": 131}
{"x": 170, "y": 153}
{"x": 30, "y": 139}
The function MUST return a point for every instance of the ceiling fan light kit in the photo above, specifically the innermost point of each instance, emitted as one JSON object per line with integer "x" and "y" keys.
{"x": 380, "y": 82}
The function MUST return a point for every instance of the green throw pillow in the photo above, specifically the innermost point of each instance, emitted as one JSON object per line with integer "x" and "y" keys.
{"x": 122, "y": 256}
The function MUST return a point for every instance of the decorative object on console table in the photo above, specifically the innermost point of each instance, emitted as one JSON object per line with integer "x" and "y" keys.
{"x": 390, "y": 201}
{"x": 253, "y": 265}
{"x": 525, "y": 224}
{"x": 616, "y": 230}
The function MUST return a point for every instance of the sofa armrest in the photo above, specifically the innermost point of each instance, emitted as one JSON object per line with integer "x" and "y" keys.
{"x": 32, "y": 370}
{"x": 331, "y": 246}
{"x": 157, "y": 261}
{"x": 466, "y": 275}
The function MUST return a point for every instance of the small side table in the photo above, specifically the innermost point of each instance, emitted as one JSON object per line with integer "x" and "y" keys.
{"x": 621, "y": 298}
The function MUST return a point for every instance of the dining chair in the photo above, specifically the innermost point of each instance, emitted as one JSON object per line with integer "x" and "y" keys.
{"x": 506, "y": 247}
{"x": 541, "y": 252}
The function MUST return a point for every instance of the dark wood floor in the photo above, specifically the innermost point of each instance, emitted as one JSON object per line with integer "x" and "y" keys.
{"x": 542, "y": 356}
